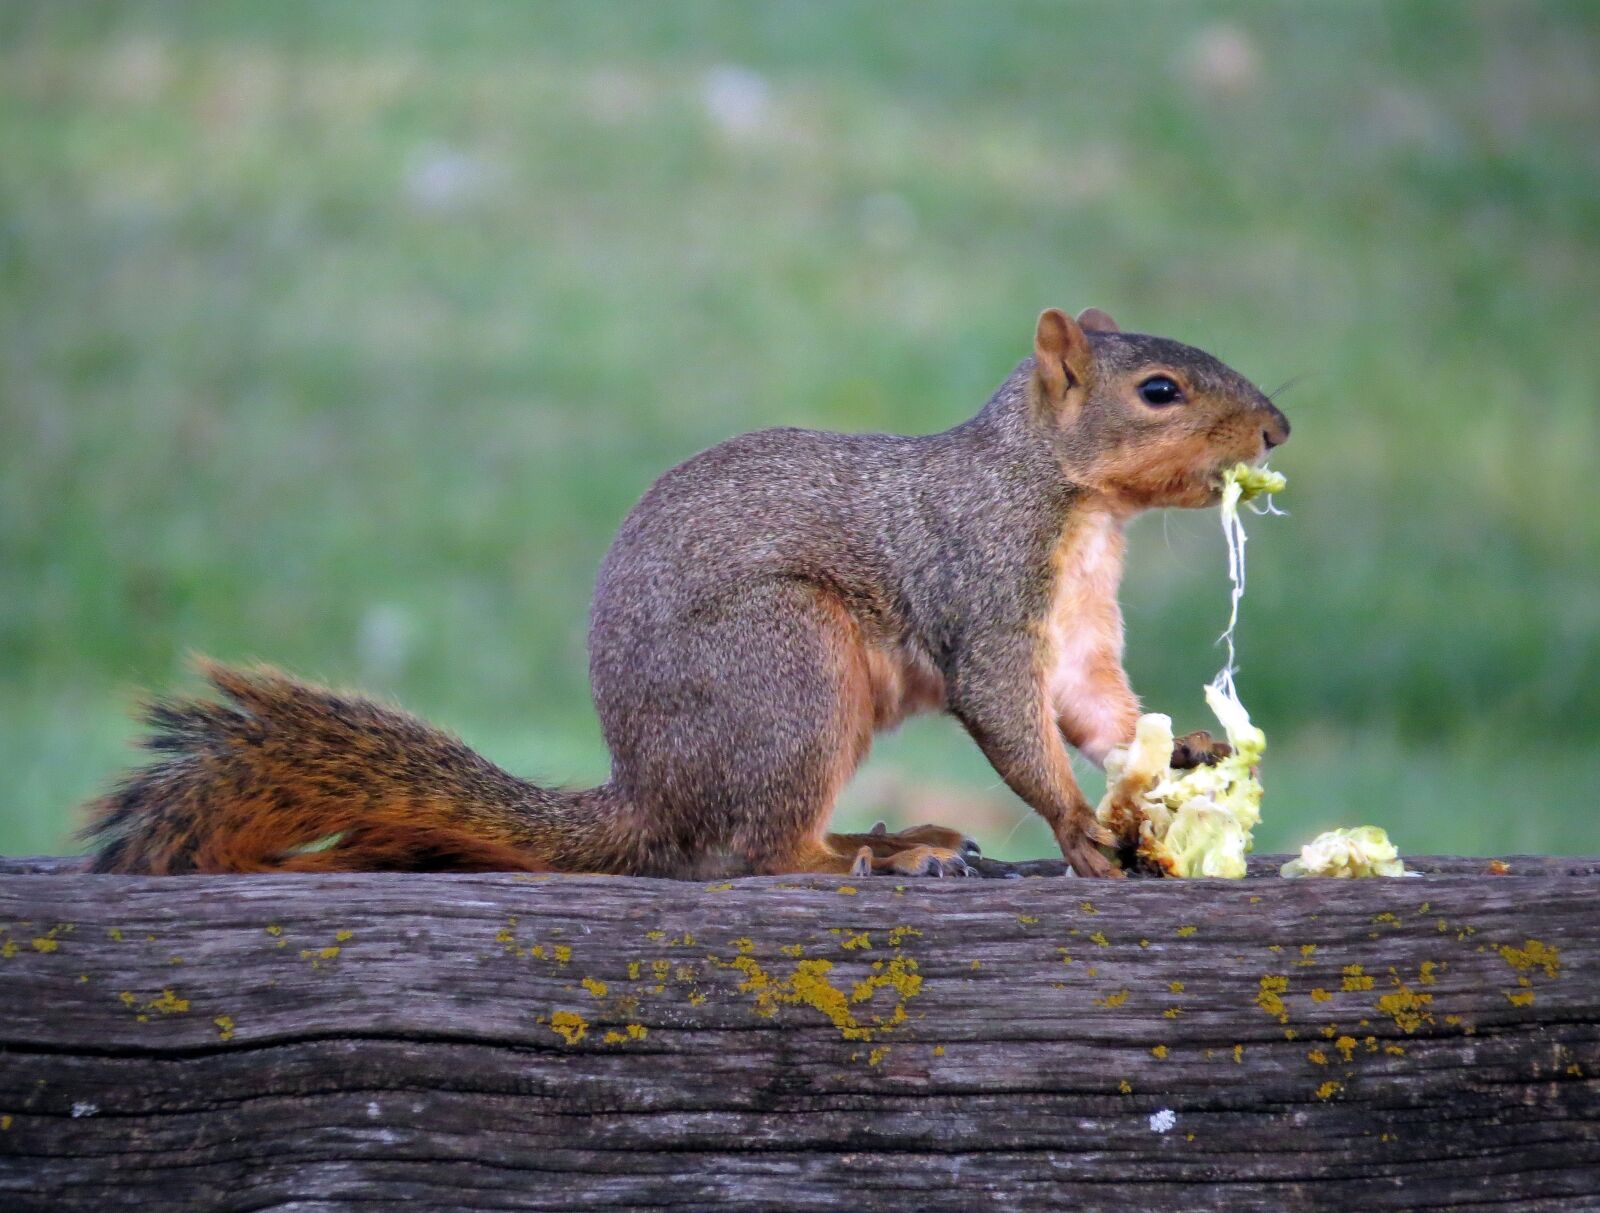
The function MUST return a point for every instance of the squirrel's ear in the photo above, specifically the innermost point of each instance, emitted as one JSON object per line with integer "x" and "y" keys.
{"x": 1061, "y": 353}
{"x": 1093, "y": 320}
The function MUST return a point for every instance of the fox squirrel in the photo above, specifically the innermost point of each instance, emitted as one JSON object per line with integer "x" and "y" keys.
{"x": 765, "y": 609}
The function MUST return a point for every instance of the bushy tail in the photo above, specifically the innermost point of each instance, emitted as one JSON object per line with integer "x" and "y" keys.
{"x": 286, "y": 776}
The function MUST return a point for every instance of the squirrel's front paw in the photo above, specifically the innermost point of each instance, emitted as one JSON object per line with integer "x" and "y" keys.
{"x": 1197, "y": 749}
{"x": 1080, "y": 843}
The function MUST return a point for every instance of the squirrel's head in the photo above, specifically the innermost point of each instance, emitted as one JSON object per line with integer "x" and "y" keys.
{"x": 1143, "y": 421}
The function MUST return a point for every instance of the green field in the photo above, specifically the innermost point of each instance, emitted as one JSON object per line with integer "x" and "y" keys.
{"x": 343, "y": 335}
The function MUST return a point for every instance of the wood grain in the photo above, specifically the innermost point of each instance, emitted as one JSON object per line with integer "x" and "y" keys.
{"x": 523, "y": 1042}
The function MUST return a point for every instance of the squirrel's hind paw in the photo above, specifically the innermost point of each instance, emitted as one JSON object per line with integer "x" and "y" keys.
{"x": 913, "y": 861}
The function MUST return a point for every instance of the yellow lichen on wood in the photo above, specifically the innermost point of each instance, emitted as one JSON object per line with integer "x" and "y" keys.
{"x": 595, "y": 986}
{"x": 1355, "y": 980}
{"x": 1329, "y": 1089}
{"x": 1533, "y": 953}
{"x": 569, "y": 1025}
{"x": 809, "y": 985}
{"x": 224, "y": 1026}
{"x": 167, "y": 1003}
{"x": 1406, "y": 1007}
{"x": 1112, "y": 1001}
{"x": 317, "y": 956}
{"x": 1270, "y": 996}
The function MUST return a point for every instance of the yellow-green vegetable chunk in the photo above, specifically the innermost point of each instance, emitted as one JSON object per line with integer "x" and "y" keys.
{"x": 1361, "y": 851}
{"x": 1244, "y": 482}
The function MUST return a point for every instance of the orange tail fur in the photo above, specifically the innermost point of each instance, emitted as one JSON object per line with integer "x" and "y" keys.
{"x": 285, "y": 776}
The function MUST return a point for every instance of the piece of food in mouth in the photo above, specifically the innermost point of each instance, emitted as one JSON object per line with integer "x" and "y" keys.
{"x": 1245, "y": 482}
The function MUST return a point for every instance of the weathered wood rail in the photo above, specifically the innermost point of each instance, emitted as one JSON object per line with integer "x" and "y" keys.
{"x": 516, "y": 1042}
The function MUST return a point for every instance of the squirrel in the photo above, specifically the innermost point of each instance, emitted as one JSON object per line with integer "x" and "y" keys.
{"x": 766, "y": 608}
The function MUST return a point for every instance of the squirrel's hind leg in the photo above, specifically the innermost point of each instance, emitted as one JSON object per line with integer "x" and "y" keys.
{"x": 782, "y": 716}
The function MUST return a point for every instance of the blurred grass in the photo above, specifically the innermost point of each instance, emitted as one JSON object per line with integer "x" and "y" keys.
{"x": 344, "y": 335}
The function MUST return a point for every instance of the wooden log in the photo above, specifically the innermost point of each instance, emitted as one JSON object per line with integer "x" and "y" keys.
{"x": 527, "y": 1042}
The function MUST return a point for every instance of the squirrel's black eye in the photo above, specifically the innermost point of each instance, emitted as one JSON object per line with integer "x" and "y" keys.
{"x": 1159, "y": 390}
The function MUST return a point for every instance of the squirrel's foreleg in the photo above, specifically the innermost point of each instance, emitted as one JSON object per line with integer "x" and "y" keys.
{"x": 997, "y": 691}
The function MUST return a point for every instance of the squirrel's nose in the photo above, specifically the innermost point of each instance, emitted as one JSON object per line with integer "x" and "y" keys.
{"x": 1276, "y": 431}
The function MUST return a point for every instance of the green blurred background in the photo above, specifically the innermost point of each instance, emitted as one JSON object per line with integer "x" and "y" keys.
{"x": 343, "y": 335}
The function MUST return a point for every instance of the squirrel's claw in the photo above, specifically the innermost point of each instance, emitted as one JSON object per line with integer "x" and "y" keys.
{"x": 1100, "y": 834}
{"x": 923, "y": 861}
